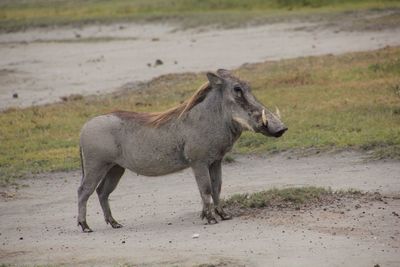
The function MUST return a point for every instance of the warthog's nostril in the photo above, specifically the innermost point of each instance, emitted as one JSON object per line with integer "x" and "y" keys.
{"x": 280, "y": 132}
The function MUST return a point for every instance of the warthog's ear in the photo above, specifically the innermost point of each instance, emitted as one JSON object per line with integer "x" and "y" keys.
{"x": 214, "y": 79}
{"x": 223, "y": 72}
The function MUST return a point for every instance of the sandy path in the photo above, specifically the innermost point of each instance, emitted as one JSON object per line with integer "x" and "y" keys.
{"x": 161, "y": 215}
{"x": 44, "y": 65}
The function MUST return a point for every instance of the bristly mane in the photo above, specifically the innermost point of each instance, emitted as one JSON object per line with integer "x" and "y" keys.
{"x": 157, "y": 119}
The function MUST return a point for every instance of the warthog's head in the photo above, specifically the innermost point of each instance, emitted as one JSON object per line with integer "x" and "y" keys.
{"x": 244, "y": 108}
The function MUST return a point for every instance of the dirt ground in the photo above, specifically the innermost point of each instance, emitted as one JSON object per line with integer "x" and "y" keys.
{"x": 42, "y": 65}
{"x": 160, "y": 216}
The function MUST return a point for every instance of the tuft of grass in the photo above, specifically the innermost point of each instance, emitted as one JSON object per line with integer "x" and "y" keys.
{"x": 21, "y": 14}
{"x": 293, "y": 197}
{"x": 277, "y": 197}
{"x": 328, "y": 102}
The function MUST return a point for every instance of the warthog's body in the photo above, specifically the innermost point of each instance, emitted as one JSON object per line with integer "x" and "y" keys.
{"x": 196, "y": 134}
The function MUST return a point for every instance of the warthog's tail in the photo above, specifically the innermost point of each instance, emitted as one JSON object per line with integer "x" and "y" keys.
{"x": 81, "y": 156}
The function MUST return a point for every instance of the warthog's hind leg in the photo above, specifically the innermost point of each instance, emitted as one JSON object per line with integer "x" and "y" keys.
{"x": 93, "y": 174}
{"x": 105, "y": 188}
{"x": 201, "y": 172}
{"x": 216, "y": 183}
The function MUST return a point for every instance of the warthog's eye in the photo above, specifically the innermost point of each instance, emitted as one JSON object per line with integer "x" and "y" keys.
{"x": 238, "y": 90}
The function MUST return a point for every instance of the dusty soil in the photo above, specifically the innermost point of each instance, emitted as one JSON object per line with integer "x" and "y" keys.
{"x": 161, "y": 214}
{"x": 42, "y": 65}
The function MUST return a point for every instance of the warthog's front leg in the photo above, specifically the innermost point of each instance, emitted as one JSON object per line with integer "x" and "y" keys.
{"x": 202, "y": 174}
{"x": 216, "y": 183}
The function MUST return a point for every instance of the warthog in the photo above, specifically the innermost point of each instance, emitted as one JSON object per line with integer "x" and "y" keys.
{"x": 197, "y": 134}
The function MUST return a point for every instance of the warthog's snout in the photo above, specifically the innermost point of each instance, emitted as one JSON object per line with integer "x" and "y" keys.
{"x": 280, "y": 132}
{"x": 271, "y": 124}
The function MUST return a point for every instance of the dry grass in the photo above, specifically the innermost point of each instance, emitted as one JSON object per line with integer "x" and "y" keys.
{"x": 328, "y": 102}
{"x": 292, "y": 198}
{"x": 20, "y": 14}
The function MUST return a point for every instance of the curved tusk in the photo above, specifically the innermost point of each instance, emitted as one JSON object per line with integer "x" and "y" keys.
{"x": 264, "y": 118}
{"x": 278, "y": 113}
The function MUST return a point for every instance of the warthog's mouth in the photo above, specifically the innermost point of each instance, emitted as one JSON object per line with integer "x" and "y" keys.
{"x": 265, "y": 131}
{"x": 280, "y": 132}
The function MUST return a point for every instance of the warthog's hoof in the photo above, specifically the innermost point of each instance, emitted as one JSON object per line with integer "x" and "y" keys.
{"x": 212, "y": 220}
{"x": 85, "y": 227}
{"x": 114, "y": 224}
{"x": 221, "y": 213}
{"x": 209, "y": 216}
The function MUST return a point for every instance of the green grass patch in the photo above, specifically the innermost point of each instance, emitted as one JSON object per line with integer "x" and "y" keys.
{"x": 328, "y": 102}
{"x": 20, "y": 14}
{"x": 293, "y": 197}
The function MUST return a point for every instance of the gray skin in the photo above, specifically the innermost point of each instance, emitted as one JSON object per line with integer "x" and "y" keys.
{"x": 199, "y": 139}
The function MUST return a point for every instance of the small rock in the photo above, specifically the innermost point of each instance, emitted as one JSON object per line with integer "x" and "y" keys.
{"x": 169, "y": 223}
{"x": 149, "y": 65}
{"x": 155, "y": 39}
{"x": 77, "y": 35}
{"x": 21, "y": 238}
{"x": 357, "y": 206}
{"x": 196, "y": 235}
{"x": 123, "y": 242}
{"x": 377, "y": 265}
{"x": 158, "y": 62}
{"x": 15, "y": 95}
